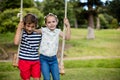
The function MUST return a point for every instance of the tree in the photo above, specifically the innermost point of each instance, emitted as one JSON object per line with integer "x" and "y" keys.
{"x": 55, "y": 7}
{"x": 9, "y": 20}
{"x": 76, "y": 9}
{"x": 91, "y": 11}
{"x": 12, "y": 4}
{"x": 114, "y": 9}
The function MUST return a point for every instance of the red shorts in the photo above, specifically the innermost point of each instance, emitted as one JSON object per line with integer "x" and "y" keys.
{"x": 29, "y": 68}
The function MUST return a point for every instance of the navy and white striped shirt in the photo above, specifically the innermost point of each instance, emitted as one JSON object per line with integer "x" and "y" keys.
{"x": 29, "y": 46}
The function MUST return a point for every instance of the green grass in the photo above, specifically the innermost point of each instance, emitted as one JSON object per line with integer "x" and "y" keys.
{"x": 75, "y": 74}
{"x": 6, "y": 38}
{"x": 69, "y": 64}
{"x": 92, "y": 74}
{"x": 106, "y": 43}
{"x": 93, "y": 63}
{"x": 102, "y": 69}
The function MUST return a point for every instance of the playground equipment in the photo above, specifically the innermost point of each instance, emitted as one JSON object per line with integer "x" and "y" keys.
{"x": 61, "y": 63}
{"x": 15, "y": 57}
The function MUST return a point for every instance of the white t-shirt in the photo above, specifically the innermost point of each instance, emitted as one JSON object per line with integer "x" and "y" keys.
{"x": 50, "y": 42}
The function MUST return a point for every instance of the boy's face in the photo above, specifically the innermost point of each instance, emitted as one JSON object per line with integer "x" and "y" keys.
{"x": 30, "y": 28}
{"x": 51, "y": 22}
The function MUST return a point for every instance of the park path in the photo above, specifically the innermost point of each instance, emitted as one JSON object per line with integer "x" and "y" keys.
{"x": 80, "y": 58}
{"x": 91, "y": 57}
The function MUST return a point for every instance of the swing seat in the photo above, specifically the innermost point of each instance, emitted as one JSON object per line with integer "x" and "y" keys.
{"x": 61, "y": 69}
{"x": 14, "y": 62}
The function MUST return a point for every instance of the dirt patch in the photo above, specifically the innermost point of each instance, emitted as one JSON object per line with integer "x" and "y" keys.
{"x": 91, "y": 57}
{"x": 8, "y": 50}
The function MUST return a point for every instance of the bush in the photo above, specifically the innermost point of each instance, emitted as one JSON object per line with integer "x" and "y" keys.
{"x": 9, "y": 19}
{"x": 114, "y": 24}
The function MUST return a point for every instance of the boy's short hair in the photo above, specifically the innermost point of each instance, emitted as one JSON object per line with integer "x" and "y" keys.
{"x": 30, "y": 18}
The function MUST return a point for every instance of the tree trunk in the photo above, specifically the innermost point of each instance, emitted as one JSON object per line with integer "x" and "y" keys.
{"x": 90, "y": 33}
{"x": 90, "y": 27}
{"x": 76, "y": 24}
{"x": 90, "y": 24}
{"x": 98, "y": 23}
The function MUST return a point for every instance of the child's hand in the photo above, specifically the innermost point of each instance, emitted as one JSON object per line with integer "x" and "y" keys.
{"x": 66, "y": 22}
{"x": 21, "y": 25}
{"x": 37, "y": 30}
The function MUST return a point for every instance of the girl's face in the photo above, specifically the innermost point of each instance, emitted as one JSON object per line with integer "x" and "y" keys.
{"x": 29, "y": 28}
{"x": 51, "y": 22}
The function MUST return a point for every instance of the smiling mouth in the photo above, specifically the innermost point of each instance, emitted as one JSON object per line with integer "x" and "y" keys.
{"x": 52, "y": 27}
{"x": 29, "y": 32}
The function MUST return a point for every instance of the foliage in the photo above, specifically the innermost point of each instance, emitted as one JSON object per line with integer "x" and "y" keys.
{"x": 107, "y": 21}
{"x": 103, "y": 22}
{"x": 77, "y": 10}
{"x": 114, "y": 9}
{"x": 9, "y": 20}
{"x": 12, "y": 4}
{"x": 114, "y": 24}
{"x": 57, "y": 8}
{"x": 39, "y": 5}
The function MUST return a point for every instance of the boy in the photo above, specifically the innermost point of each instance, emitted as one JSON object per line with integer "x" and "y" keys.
{"x": 28, "y": 64}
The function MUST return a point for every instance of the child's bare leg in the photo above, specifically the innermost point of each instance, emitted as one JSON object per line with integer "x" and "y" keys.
{"x": 36, "y": 79}
{"x": 25, "y": 79}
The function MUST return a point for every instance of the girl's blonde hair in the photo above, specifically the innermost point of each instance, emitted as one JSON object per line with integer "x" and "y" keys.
{"x": 50, "y": 14}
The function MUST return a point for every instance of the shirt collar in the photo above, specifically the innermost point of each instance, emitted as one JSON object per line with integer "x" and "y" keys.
{"x": 50, "y": 30}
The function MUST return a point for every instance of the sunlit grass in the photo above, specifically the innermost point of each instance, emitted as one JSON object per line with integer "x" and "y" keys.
{"x": 103, "y": 69}
{"x": 6, "y": 37}
{"x": 92, "y": 74}
{"x": 106, "y": 43}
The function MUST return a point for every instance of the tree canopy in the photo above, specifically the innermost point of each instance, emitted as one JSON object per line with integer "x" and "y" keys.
{"x": 78, "y": 15}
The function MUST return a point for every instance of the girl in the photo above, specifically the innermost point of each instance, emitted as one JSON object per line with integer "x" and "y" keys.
{"x": 49, "y": 46}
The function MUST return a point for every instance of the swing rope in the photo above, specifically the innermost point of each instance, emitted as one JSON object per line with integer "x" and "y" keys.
{"x": 61, "y": 65}
{"x": 21, "y": 11}
{"x": 15, "y": 59}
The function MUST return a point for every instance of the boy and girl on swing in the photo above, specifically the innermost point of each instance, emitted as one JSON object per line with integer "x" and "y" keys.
{"x": 30, "y": 62}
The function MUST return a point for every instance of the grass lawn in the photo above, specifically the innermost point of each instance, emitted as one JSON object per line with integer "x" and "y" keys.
{"x": 75, "y": 74}
{"x": 106, "y": 43}
{"x": 92, "y": 74}
{"x": 91, "y": 70}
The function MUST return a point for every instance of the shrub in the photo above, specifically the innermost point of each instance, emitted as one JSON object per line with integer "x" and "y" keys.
{"x": 9, "y": 19}
{"x": 114, "y": 24}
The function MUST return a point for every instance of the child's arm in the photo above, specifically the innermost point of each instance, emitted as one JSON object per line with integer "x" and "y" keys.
{"x": 67, "y": 32}
{"x": 18, "y": 33}
{"x": 38, "y": 31}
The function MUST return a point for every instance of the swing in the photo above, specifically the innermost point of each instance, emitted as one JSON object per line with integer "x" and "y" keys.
{"x": 15, "y": 57}
{"x": 61, "y": 64}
